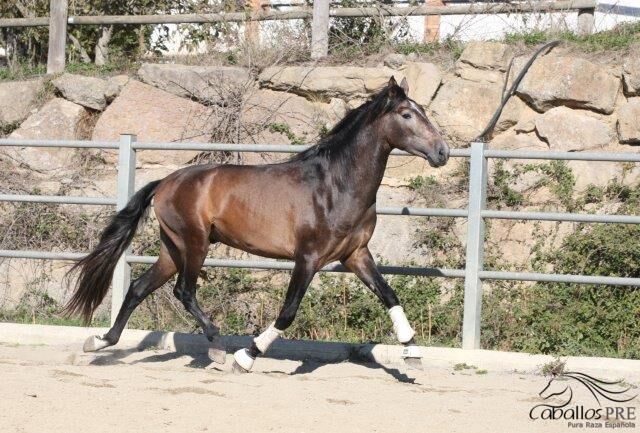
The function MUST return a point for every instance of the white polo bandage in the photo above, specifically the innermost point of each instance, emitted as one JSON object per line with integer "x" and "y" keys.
{"x": 264, "y": 340}
{"x": 401, "y": 326}
{"x": 243, "y": 359}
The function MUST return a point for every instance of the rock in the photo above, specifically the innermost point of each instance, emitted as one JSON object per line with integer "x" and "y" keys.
{"x": 571, "y": 130}
{"x": 484, "y": 61}
{"x": 114, "y": 86}
{"x": 629, "y": 122}
{"x": 155, "y": 115}
{"x": 283, "y": 118}
{"x": 86, "y": 91}
{"x": 58, "y": 119}
{"x": 513, "y": 113}
{"x": 424, "y": 80}
{"x": 631, "y": 72}
{"x": 210, "y": 84}
{"x": 602, "y": 173}
{"x": 395, "y": 60}
{"x": 463, "y": 108}
{"x": 577, "y": 83}
{"x": 17, "y": 99}
{"x": 513, "y": 141}
{"x": 345, "y": 82}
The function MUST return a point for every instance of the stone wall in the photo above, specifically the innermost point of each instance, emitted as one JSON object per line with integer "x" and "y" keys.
{"x": 567, "y": 102}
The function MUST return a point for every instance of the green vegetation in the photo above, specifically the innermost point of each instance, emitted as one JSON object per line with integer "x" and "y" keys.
{"x": 464, "y": 366}
{"x": 619, "y": 38}
{"x": 283, "y": 128}
{"x": 553, "y": 368}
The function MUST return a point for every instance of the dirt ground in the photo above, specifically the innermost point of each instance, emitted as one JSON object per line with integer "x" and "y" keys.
{"x": 54, "y": 389}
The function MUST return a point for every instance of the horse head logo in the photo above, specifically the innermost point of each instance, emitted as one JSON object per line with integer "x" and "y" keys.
{"x": 561, "y": 386}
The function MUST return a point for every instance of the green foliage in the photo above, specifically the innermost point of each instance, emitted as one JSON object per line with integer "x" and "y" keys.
{"x": 501, "y": 191}
{"x": 283, "y": 128}
{"x": 449, "y": 44}
{"x": 38, "y": 307}
{"x": 618, "y": 38}
{"x": 420, "y": 182}
{"x": 7, "y": 128}
{"x": 464, "y": 366}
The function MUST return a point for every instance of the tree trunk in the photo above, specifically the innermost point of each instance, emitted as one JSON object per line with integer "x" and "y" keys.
{"x": 102, "y": 47}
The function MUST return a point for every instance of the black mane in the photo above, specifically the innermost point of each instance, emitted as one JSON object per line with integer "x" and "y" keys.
{"x": 338, "y": 139}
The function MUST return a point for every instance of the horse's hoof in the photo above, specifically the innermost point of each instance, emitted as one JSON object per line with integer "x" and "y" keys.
{"x": 217, "y": 352}
{"x": 237, "y": 369}
{"x": 95, "y": 343}
{"x": 243, "y": 362}
{"x": 414, "y": 363}
{"x": 412, "y": 356}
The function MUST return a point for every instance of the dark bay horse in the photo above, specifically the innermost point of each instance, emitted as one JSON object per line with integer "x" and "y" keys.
{"x": 315, "y": 208}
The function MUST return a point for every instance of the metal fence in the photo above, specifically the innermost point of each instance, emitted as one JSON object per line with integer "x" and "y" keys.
{"x": 476, "y": 212}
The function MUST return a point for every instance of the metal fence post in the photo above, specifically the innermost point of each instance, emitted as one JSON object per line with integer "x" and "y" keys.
{"x": 126, "y": 185}
{"x": 57, "y": 36}
{"x": 320, "y": 29}
{"x": 475, "y": 248}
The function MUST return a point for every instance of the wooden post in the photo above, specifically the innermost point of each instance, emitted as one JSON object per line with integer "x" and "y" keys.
{"x": 432, "y": 23}
{"x": 320, "y": 29}
{"x": 252, "y": 28}
{"x": 57, "y": 36}
{"x": 586, "y": 21}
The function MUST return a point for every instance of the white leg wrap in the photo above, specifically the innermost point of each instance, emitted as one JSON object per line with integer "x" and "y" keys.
{"x": 243, "y": 359}
{"x": 404, "y": 332}
{"x": 264, "y": 340}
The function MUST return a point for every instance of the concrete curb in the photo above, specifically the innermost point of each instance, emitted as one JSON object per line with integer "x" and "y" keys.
{"x": 302, "y": 350}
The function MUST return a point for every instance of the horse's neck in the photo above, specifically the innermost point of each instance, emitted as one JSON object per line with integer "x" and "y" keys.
{"x": 363, "y": 172}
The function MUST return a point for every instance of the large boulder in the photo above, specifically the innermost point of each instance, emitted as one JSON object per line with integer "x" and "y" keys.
{"x": 17, "y": 99}
{"x": 571, "y": 130}
{"x": 463, "y": 108}
{"x": 484, "y": 61}
{"x": 210, "y": 84}
{"x": 424, "y": 80}
{"x": 155, "y": 115}
{"x": 283, "y": 118}
{"x": 629, "y": 122}
{"x": 86, "y": 91}
{"x": 58, "y": 119}
{"x": 328, "y": 81}
{"x": 574, "y": 82}
{"x": 631, "y": 72}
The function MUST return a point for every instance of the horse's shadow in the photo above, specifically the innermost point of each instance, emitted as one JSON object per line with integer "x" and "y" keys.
{"x": 200, "y": 360}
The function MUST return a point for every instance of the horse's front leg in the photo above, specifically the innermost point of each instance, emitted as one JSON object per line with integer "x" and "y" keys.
{"x": 303, "y": 271}
{"x": 361, "y": 263}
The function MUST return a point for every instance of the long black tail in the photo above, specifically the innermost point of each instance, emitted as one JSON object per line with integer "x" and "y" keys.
{"x": 95, "y": 271}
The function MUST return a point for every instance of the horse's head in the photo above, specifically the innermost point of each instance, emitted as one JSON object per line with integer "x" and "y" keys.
{"x": 556, "y": 387}
{"x": 406, "y": 127}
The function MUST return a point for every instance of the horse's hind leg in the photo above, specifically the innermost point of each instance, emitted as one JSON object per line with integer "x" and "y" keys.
{"x": 190, "y": 255}
{"x": 154, "y": 277}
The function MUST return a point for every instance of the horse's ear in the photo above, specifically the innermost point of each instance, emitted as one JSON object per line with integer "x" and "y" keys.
{"x": 404, "y": 84}
{"x": 392, "y": 82}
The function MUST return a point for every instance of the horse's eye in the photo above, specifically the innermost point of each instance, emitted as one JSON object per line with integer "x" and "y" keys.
{"x": 407, "y": 115}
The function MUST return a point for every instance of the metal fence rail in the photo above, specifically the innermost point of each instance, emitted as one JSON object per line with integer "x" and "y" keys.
{"x": 473, "y": 274}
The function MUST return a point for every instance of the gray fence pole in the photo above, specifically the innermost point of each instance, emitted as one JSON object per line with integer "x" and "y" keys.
{"x": 320, "y": 29}
{"x": 475, "y": 248}
{"x": 126, "y": 185}
{"x": 586, "y": 21}
{"x": 57, "y": 36}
